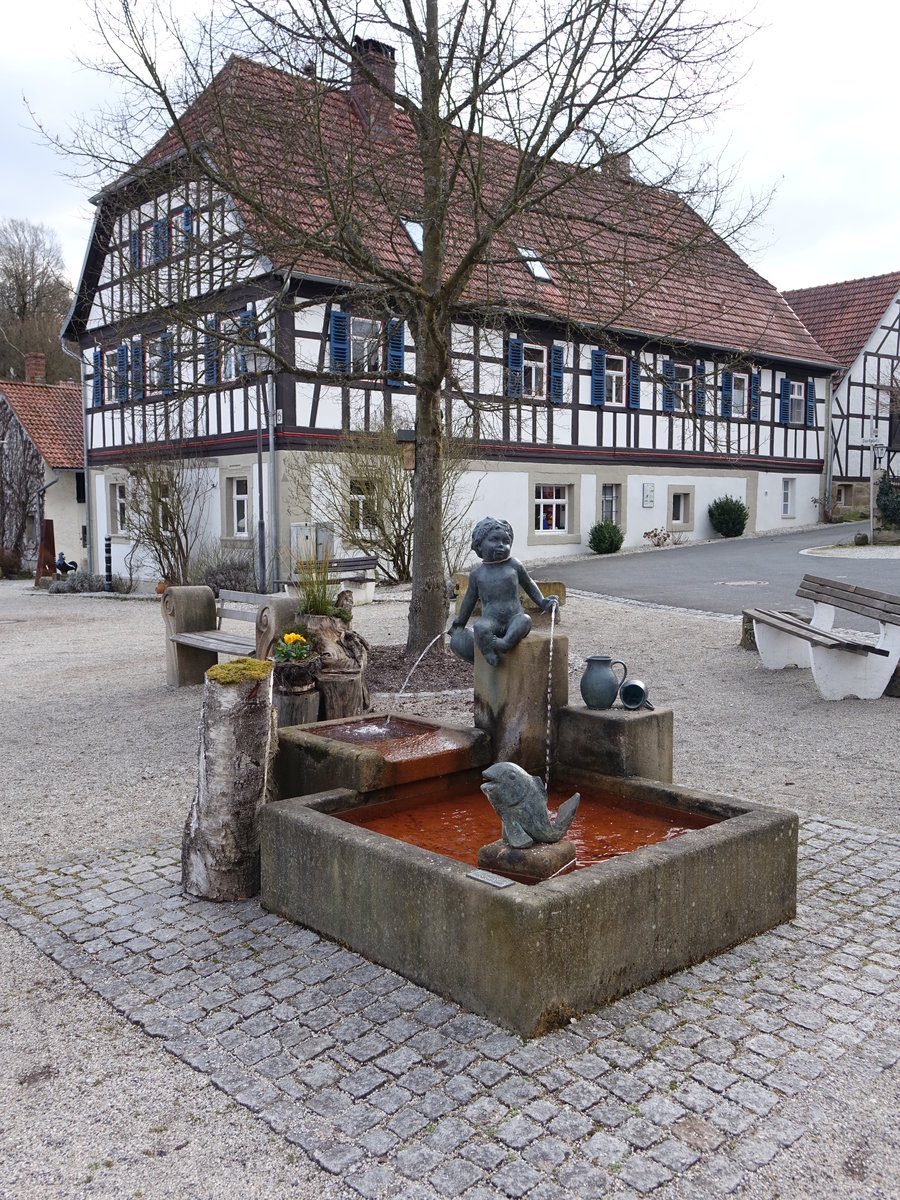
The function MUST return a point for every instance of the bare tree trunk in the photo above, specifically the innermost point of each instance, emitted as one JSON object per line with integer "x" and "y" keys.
{"x": 220, "y": 845}
{"x": 429, "y": 605}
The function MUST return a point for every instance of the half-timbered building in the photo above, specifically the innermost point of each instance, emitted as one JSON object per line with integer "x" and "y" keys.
{"x": 858, "y": 324}
{"x": 635, "y": 374}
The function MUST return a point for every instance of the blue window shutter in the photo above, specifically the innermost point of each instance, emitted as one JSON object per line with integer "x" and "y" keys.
{"x": 97, "y": 383}
{"x": 135, "y": 247}
{"x": 754, "y": 396}
{"x": 396, "y": 353}
{"x": 187, "y": 226}
{"x": 210, "y": 353}
{"x": 598, "y": 377}
{"x": 339, "y": 341}
{"x": 634, "y": 383}
{"x": 811, "y": 403}
{"x": 784, "y": 406}
{"x": 668, "y": 389}
{"x": 122, "y": 374}
{"x": 515, "y": 366}
{"x": 700, "y": 387}
{"x": 557, "y": 359}
{"x": 727, "y": 394}
{"x": 167, "y": 364}
{"x": 137, "y": 370}
{"x": 248, "y": 332}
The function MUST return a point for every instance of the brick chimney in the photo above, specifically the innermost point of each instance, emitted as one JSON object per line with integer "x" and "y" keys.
{"x": 616, "y": 166}
{"x": 35, "y": 368}
{"x": 375, "y": 107}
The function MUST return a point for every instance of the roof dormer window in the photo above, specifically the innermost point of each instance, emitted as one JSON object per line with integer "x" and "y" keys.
{"x": 415, "y": 231}
{"x": 534, "y": 264}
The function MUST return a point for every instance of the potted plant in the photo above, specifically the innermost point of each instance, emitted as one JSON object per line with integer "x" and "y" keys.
{"x": 294, "y": 691}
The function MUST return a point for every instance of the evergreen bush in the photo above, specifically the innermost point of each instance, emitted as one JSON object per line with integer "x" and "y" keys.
{"x": 605, "y": 537}
{"x": 888, "y": 501}
{"x": 728, "y": 516}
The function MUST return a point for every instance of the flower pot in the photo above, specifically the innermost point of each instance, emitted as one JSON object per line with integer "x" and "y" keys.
{"x": 294, "y": 692}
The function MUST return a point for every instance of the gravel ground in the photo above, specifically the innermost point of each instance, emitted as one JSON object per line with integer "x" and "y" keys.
{"x": 98, "y": 751}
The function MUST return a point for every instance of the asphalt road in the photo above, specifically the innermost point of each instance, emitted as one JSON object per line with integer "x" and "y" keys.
{"x": 729, "y": 575}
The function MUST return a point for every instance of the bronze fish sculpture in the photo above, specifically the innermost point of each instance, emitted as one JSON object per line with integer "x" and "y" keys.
{"x": 520, "y": 801}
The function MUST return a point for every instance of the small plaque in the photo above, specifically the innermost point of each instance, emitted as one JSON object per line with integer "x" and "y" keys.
{"x": 492, "y": 880}
{"x": 648, "y": 495}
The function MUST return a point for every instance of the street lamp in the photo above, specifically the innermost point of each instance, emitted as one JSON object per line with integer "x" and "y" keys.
{"x": 877, "y": 452}
{"x": 256, "y": 362}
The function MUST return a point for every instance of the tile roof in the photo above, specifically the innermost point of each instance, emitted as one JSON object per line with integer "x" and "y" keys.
{"x": 622, "y": 256}
{"x": 50, "y": 414}
{"x": 842, "y": 316}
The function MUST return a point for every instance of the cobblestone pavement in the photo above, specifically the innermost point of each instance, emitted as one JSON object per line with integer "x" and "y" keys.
{"x": 686, "y": 1088}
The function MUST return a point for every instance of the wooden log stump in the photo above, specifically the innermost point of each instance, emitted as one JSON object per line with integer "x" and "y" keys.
{"x": 294, "y": 692}
{"x": 341, "y": 670}
{"x": 220, "y": 845}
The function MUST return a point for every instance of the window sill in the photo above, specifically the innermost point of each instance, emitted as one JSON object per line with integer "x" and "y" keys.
{"x": 541, "y": 537}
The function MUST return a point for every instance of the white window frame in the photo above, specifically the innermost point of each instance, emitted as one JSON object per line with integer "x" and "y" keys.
{"x": 227, "y": 336}
{"x": 615, "y": 379}
{"x": 534, "y": 371}
{"x": 683, "y": 385}
{"x": 153, "y": 364}
{"x": 610, "y": 502}
{"x": 363, "y": 504}
{"x": 239, "y": 497}
{"x": 366, "y": 345}
{"x": 533, "y": 263}
{"x": 552, "y": 502}
{"x": 798, "y": 399}
{"x": 788, "y": 497}
{"x": 740, "y": 382}
{"x": 415, "y": 231}
{"x": 118, "y": 508}
{"x": 110, "y": 375}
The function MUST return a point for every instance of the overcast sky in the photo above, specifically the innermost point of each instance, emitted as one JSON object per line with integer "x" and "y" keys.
{"x": 812, "y": 119}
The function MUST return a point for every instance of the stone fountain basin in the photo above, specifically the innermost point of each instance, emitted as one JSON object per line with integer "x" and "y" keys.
{"x": 526, "y": 957}
{"x": 328, "y": 754}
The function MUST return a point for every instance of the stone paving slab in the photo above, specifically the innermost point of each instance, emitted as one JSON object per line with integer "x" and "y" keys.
{"x": 685, "y": 1088}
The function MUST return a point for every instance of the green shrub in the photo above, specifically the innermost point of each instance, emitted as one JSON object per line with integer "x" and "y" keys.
{"x": 605, "y": 537}
{"x": 888, "y": 501}
{"x": 728, "y": 516}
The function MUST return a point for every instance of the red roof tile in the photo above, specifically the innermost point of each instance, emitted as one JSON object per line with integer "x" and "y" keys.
{"x": 50, "y": 414}
{"x": 622, "y": 255}
{"x": 842, "y": 316}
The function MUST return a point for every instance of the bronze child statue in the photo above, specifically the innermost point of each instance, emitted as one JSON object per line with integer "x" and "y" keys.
{"x": 495, "y": 582}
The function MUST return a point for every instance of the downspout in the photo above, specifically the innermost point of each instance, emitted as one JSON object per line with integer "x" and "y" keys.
{"x": 273, "y": 490}
{"x": 829, "y": 448}
{"x": 84, "y": 444}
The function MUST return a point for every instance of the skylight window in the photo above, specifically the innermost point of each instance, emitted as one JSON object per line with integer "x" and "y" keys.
{"x": 534, "y": 264}
{"x": 415, "y": 231}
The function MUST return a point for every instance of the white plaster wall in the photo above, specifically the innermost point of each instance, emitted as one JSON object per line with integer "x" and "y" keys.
{"x": 769, "y": 496}
{"x": 67, "y": 515}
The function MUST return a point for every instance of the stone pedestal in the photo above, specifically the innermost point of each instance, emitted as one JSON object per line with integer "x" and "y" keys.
{"x": 541, "y": 861}
{"x": 617, "y": 741}
{"x": 511, "y": 699}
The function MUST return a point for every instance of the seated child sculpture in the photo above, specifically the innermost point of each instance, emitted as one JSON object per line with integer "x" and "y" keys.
{"x": 495, "y": 582}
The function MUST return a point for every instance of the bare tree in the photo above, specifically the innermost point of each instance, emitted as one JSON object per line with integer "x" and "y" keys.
{"x": 365, "y": 490}
{"x": 21, "y": 478}
{"x": 166, "y": 498}
{"x": 34, "y": 299}
{"x": 491, "y": 135}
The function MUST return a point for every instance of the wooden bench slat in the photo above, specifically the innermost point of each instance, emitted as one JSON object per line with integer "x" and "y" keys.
{"x": 237, "y": 614}
{"x": 853, "y": 588}
{"x": 217, "y": 641}
{"x": 808, "y": 633}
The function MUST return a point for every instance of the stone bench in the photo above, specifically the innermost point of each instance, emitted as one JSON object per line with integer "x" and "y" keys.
{"x": 842, "y": 664}
{"x": 194, "y": 635}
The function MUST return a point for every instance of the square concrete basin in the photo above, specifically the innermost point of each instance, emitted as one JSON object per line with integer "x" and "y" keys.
{"x": 530, "y": 957}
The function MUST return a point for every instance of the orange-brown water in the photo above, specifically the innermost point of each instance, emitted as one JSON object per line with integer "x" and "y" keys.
{"x": 459, "y": 825}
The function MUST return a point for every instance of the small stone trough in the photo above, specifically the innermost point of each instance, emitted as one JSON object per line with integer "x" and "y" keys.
{"x": 527, "y": 957}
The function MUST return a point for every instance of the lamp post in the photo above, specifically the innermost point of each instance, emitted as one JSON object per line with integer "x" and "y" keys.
{"x": 256, "y": 361}
{"x": 877, "y": 451}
